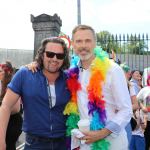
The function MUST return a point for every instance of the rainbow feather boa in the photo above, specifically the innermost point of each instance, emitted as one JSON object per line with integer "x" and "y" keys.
{"x": 96, "y": 105}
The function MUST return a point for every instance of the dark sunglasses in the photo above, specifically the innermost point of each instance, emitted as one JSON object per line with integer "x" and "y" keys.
{"x": 52, "y": 54}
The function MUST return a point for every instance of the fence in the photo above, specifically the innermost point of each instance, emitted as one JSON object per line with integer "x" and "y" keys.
{"x": 133, "y": 50}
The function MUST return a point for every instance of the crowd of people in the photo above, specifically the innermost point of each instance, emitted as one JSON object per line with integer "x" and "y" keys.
{"x": 140, "y": 104}
{"x": 56, "y": 97}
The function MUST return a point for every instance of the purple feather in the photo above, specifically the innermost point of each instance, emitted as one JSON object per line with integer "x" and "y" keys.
{"x": 101, "y": 112}
{"x": 73, "y": 71}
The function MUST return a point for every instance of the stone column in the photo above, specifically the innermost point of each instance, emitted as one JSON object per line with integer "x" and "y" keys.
{"x": 45, "y": 26}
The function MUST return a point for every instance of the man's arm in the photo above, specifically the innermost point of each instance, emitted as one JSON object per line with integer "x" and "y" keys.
{"x": 16, "y": 107}
{"x": 93, "y": 136}
{"x": 10, "y": 99}
{"x": 122, "y": 101}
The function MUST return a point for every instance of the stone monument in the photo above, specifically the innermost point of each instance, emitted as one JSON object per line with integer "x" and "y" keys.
{"x": 45, "y": 26}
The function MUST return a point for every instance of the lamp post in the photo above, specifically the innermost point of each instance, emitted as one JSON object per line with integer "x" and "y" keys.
{"x": 79, "y": 11}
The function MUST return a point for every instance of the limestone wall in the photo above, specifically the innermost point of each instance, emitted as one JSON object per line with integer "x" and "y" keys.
{"x": 18, "y": 57}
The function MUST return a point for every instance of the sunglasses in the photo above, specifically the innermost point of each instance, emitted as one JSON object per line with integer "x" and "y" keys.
{"x": 52, "y": 54}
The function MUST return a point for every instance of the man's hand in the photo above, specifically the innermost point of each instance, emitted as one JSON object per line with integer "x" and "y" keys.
{"x": 93, "y": 136}
{"x": 32, "y": 66}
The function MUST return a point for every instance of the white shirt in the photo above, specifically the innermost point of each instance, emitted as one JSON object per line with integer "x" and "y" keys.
{"x": 52, "y": 94}
{"x": 118, "y": 105}
{"x": 116, "y": 95}
{"x": 144, "y": 97}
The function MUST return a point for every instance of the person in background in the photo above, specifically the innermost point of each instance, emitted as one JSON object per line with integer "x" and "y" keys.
{"x": 15, "y": 122}
{"x": 134, "y": 101}
{"x": 114, "y": 57}
{"x": 132, "y": 92}
{"x": 135, "y": 78}
{"x": 99, "y": 94}
{"x": 140, "y": 79}
{"x": 44, "y": 96}
{"x": 138, "y": 140}
{"x": 144, "y": 99}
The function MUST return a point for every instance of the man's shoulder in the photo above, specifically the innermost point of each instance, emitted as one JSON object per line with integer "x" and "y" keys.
{"x": 23, "y": 69}
{"x": 26, "y": 73}
{"x": 26, "y": 70}
{"x": 114, "y": 67}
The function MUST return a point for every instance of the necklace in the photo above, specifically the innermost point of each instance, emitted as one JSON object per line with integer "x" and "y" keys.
{"x": 96, "y": 104}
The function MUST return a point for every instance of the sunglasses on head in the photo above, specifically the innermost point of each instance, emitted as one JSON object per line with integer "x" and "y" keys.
{"x": 52, "y": 54}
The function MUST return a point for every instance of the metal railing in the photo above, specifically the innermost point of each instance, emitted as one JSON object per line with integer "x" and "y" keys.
{"x": 133, "y": 50}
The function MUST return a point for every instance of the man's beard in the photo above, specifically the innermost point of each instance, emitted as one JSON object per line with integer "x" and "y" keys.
{"x": 87, "y": 56}
{"x": 53, "y": 71}
{"x": 50, "y": 70}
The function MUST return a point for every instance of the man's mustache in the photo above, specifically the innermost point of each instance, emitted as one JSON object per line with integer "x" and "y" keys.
{"x": 83, "y": 49}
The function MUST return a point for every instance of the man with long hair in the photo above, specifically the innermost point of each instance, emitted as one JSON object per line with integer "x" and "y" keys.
{"x": 44, "y": 96}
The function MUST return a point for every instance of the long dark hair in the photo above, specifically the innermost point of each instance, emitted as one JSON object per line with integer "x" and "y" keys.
{"x": 8, "y": 73}
{"x": 41, "y": 50}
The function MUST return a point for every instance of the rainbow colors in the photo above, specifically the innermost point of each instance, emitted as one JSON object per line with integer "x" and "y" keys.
{"x": 96, "y": 105}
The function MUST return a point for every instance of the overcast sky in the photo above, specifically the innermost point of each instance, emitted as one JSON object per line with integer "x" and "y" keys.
{"x": 115, "y": 16}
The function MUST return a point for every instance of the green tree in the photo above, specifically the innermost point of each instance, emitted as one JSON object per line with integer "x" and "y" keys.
{"x": 107, "y": 41}
{"x": 130, "y": 44}
{"x": 136, "y": 45}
